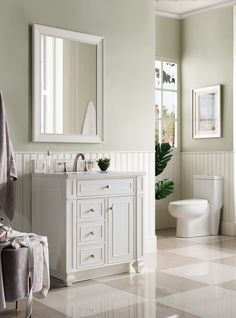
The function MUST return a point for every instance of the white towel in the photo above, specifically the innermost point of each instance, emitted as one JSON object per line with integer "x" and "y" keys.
{"x": 8, "y": 172}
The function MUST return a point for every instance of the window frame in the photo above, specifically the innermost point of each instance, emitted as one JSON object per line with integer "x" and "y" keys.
{"x": 162, "y": 90}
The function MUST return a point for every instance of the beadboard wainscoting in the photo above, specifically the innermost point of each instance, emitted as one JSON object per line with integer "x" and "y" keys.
{"x": 120, "y": 161}
{"x": 211, "y": 163}
{"x": 163, "y": 219}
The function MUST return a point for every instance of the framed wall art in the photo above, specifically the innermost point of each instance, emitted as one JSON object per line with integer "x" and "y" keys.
{"x": 207, "y": 112}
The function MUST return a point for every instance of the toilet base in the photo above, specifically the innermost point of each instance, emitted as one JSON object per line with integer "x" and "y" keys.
{"x": 193, "y": 228}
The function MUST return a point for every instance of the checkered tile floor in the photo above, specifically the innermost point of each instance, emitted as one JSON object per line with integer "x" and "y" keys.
{"x": 185, "y": 278}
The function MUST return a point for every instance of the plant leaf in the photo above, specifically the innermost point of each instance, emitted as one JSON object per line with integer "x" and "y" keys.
{"x": 163, "y": 188}
{"x": 162, "y": 156}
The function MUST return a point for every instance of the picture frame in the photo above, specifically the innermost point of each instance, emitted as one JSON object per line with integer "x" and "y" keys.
{"x": 206, "y": 104}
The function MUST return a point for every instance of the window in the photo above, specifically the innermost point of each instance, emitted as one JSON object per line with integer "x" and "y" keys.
{"x": 166, "y": 102}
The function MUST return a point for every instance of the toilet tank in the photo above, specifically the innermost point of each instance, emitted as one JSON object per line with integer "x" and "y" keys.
{"x": 209, "y": 188}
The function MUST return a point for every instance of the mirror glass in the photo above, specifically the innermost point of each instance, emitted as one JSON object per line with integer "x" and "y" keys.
{"x": 68, "y": 86}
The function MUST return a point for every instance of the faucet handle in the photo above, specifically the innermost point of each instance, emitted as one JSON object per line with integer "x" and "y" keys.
{"x": 65, "y": 165}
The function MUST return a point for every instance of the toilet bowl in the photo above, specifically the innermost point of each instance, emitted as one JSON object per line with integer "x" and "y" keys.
{"x": 199, "y": 216}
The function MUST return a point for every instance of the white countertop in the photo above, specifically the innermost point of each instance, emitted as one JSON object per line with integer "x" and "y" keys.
{"x": 90, "y": 175}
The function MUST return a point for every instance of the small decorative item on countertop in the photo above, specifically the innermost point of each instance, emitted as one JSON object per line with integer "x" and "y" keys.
{"x": 103, "y": 163}
{"x": 48, "y": 162}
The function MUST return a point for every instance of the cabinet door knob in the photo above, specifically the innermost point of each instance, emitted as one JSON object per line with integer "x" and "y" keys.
{"x": 112, "y": 207}
{"x": 92, "y": 210}
{"x": 92, "y": 256}
{"x": 92, "y": 233}
{"x": 107, "y": 186}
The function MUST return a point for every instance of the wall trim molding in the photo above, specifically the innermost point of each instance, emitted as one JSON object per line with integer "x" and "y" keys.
{"x": 168, "y": 14}
{"x": 228, "y": 228}
{"x": 83, "y": 151}
{"x": 227, "y": 3}
{"x": 207, "y": 152}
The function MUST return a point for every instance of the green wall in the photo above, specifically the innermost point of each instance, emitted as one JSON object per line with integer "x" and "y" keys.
{"x": 128, "y": 28}
{"x": 168, "y": 37}
{"x": 207, "y": 59}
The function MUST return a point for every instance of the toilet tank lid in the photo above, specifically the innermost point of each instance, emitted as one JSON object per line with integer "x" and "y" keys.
{"x": 189, "y": 202}
{"x": 204, "y": 177}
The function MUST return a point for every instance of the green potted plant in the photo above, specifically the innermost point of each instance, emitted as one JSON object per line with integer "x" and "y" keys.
{"x": 163, "y": 154}
{"x": 103, "y": 163}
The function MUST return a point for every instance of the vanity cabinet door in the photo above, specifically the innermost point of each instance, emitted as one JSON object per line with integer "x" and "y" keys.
{"x": 120, "y": 229}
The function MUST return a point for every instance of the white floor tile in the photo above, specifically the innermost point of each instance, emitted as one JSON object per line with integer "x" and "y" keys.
{"x": 206, "y": 302}
{"x": 202, "y": 252}
{"x": 90, "y": 300}
{"x": 207, "y": 272}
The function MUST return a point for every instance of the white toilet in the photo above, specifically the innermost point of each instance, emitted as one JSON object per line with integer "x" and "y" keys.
{"x": 200, "y": 216}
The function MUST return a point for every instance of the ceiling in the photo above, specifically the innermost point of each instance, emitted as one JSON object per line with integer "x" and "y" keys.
{"x": 183, "y": 8}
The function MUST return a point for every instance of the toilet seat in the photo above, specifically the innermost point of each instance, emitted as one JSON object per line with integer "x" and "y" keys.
{"x": 192, "y": 202}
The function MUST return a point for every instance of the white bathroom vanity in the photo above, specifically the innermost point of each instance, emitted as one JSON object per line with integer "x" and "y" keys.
{"x": 93, "y": 221}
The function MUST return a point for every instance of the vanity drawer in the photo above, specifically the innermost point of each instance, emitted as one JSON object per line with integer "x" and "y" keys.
{"x": 90, "y": 209}
{"x": 90, "y": 233}
{"x": 104, "y": 187}
{"x": 89, "y": 256}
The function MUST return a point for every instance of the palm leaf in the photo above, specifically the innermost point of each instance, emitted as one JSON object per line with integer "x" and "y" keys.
{"x": 164, "y": 188}
{"x": 162, "y": 156}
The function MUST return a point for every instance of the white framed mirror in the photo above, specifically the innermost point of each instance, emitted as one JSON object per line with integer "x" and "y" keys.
{"x": 67, "y": 86}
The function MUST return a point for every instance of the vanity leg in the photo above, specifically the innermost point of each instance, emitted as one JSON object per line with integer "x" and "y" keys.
{"x": 17, "y": 305}
{"x": 138, "y": 265}
{"x": 70, "y": 279}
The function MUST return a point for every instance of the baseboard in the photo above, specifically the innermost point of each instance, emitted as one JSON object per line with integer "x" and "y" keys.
{"x": 228, "y": 228}
{"x": 150, "y": 244}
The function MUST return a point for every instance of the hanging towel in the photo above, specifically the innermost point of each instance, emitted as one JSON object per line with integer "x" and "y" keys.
{"x": 8, "y": 172}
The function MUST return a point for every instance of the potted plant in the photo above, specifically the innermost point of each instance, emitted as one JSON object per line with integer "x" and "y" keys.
{"x": 163, "y": 154}
{"x": 103, "y": 163}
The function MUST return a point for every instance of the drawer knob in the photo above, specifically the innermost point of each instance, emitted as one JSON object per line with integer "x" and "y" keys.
{"x": 92, "y": 210}
{"x": 92, "y": 256}
{"x": 92, "y": 233}
{"x": 107, "y": 186}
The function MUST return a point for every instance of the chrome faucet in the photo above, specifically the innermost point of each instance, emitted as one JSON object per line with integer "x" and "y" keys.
{"x": 75, "y": 168}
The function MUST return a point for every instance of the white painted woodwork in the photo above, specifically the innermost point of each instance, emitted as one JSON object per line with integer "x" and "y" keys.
{"x": 181, "y": 9}
{"x": 37, "y": 135}
{"x": 89, "y": 229}
{"x": 120, "y": 229}
{"x": 120, "y": 162}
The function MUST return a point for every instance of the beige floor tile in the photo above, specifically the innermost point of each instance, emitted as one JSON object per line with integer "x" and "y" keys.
{"x": 226, "y": 244}
{"x": 171, "y": 243}
{"x": 168, "y": 312}
{"x": 205, "y": 272}
{"x": 166, "y": 233}
{"x": 206, "y": 302}
{"x": 166, "y": 260}
{"x": 231, "y": 261}
{"x": 203, "y": 251}
{"x": 39, "y": 311}
{"x": 153, "y": 285}
{"x": 229, "y": 285}
{"x": 208, "y": 239}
